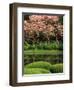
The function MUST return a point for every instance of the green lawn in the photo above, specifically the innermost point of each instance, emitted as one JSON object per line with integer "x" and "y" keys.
{"x": 45, "y": 52}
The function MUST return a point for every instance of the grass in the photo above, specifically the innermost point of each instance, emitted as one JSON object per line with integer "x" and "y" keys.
{"x": 43, "y": 52}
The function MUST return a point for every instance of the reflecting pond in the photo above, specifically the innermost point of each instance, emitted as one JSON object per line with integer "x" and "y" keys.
{"x": 53, "y": 59}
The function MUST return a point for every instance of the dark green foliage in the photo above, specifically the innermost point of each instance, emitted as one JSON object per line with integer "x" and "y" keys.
{"x": 53, "y": 46}
{"x": 61, "y": 20}
{"x": 39, "y": 64}
{"x": 57, "y": 68}
{"x": 26, "y": 46}
{"x": 44, "y": 46}
{"x": 35, "y": 71}
{"x": 60, "y": 46}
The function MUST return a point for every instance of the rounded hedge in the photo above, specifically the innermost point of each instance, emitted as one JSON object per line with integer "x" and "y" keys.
{"x": 57, "y": 68}
{"x": 39, "y": 64}
{"x": 35, "y": 71}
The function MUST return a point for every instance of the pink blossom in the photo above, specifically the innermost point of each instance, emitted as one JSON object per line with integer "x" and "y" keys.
{"x": 42, "y": 23}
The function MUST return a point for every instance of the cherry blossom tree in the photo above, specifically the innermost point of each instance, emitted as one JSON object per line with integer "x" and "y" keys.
{"x": 43, "y": 28}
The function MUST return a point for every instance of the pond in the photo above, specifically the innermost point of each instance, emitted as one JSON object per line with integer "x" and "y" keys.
{"x": 53, "y": 59}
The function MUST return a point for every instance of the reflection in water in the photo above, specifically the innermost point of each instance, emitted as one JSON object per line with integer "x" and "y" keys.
{"x": 53, "y": 59}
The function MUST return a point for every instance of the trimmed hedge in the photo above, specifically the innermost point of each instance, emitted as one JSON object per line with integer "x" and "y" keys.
{"x": 41, "y": 67}
{"x": 39, "y": 64}
{"x": 35, "y": 71}
{"x": 57, "y": 68}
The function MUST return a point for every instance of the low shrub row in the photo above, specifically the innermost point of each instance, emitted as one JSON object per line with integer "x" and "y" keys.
{"x": 43, "y": 67}
{"x": 43, "y": 45}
